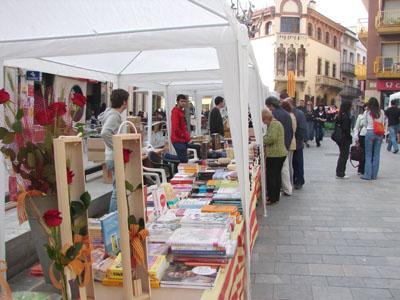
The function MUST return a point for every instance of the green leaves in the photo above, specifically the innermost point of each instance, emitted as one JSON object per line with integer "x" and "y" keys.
{"x": 77, "y": 208}
{"x": 17, "y": 126}
{"x": 51, "y": 252}
{"x": 9, "y": 138}
{"x": 141, "y": 224}
{"x": 129, "y": 186}
{"x": 20, "y": 114}
{"x": 8, "y": 152}
{"x": 131, "y": 220}
{"x": 3, "y": 132}
{"x": 86, "y": 199}
{"x": 73, "y": 251}
{"x": 49, "y": 173}
{"x": 31, "y": 160}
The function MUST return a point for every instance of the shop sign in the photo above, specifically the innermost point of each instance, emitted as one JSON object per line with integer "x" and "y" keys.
{"x": 388, "y": 85}
{"x": 33, "y": 75}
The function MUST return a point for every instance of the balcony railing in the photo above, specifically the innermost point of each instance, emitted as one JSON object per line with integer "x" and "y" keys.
{"x": 388, "y": 21}
{"x": 348, "y": 68}
{"x": 350, "y": 92}
{"x": 361, "y": 72}
{"x": 329, "y": 82}
{"x": 387, "y": 66}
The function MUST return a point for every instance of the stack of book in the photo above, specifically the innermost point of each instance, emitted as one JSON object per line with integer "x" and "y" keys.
{"x": 228, "y": 196}
{"x": 157, "y": 266}
{"x": 188, "y": 168}
{"x": 110, "y": 231}
{"x": 182, "y": 276}
{"x": 160, "y": 232}
{"x": 95, "y": 234}
{"x": 208, "y": 220}
{"x": 194, "y": 203}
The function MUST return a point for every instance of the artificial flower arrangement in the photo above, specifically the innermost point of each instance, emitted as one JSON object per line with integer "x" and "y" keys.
{"x": 30, "y": 156}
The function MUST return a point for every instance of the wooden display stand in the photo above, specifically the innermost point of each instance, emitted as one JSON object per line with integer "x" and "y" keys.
{"x": 255, "y": 195}
{"x": 69, "y": 148}
{"x": 132, "y": 173}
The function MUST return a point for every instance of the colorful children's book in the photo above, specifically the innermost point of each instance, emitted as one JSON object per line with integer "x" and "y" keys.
{"x": 110, "y": 230}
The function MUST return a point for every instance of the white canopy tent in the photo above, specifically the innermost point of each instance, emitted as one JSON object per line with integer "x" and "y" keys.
{"x": 121, "y": 42}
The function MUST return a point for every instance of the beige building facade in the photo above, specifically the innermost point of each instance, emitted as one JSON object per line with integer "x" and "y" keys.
{"x": 294, "y": 37}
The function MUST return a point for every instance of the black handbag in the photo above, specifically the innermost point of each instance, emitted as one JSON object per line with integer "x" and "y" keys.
{"x": 356, "y": 153}
{"x": 337, "y": 134}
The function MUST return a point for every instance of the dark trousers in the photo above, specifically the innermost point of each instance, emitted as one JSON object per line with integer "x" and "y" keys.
{"x": 181, "y": 151}
{"x": 361, "y": 166}
{"x": 344, "y": 149}
{"x": 298, "y": 168}
{"x": 274, "y": 178}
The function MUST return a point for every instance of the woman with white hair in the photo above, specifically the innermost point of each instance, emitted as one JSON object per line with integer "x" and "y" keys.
{"x": 276, "y": 153}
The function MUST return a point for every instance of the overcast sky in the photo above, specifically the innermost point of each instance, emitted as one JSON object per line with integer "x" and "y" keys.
{"x": 345, "y": 12}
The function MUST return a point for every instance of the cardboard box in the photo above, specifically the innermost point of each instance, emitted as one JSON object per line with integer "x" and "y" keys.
{"x": 96, "y": 148}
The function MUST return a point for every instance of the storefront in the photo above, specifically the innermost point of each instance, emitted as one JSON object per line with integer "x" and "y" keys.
{"x": 387, "y": 87}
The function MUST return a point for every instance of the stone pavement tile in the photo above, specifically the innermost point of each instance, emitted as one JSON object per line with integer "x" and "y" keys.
{"x": 346, "y": 281}
{"x": 361, "y": 243}
{"x": 361, "y": 271}
{"x": 267, "y": 257}
{"x": 393, "y": 261}
{"x": 262, "y": 291}
{"x": 292, "y": 269}
{"x": 339, "y": 259}
{"x": 372, "y": 261}
{"x": 317, "y": 235}
{"x": 395, "y": 293}
{"x": 343, "y": 250}
{"x": 272, "y": 279}
{"x": 389, "y": 272}
{"x": 309, "y": 280}
{"x": 370, "y": 294}
{"x": 379, "y": 251}
{"x": 291, "y": 249}
{"x": 320, "y": 250}
{"x": 306, "y": 258}
{"x": 376, "y": 236}
{"x": 303, "y": 241}
{"x": 264, "y": 249}
{"x": 330, "y": 229}
{"x": 326, "y": 270}
{"x": 263, "y": 267}
{"x": 345, "y": 235}
{"x": 332, "y": 242}
{"x": 382, "y": 283}
{"x": 331, "y": 293}
{"x": 290, "y": 292}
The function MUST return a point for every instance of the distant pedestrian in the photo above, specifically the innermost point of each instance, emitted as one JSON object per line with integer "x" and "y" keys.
{"x": 180, "y": 136}
{"x": 359, "y": 133}
{"x": 216, "y": 121}
{"x": 276, "y": 153}
{"x": 283, "y": 117}
{"x": 300, "y": 135}
{"x": 393, "y": 116}
{"x": 343, "y": 120}
{"x": 310, "y": 122}
{"x": 373, "y": 121}
{"x": 302, "y": 106}
{"x": 319, "y": 121}
{"x": 288, "y": 107}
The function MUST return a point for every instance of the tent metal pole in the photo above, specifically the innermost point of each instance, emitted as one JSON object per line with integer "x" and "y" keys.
{"x": 3, "y": 177}
{"x": 208, "y": 9}
{"x": 149, "y": 115}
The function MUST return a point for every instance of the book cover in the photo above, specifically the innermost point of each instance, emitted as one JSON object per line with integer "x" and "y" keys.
{"x": 110, "y": 230}
{"x": 180, "y": 275}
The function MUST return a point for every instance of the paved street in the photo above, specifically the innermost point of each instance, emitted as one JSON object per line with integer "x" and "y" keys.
{"x": 334, "y": 239}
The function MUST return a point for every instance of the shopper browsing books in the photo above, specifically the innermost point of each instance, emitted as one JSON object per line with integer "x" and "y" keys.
{"x": 276, "y": 154}
{"x": 111, "y": 120}
{"x": 216, "y": 122}
{"x": 180, "y": 136}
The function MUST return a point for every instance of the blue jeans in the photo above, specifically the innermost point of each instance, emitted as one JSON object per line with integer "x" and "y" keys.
{"x": 113, "y": 200}
{"x": 181, "y": 151}
{"x": 393, "y": 130}
{"x": 373, "y": 144}
{"x": 298, "y": 168}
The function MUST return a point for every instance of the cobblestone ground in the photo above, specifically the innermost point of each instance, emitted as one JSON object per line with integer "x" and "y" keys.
{"x": 334, "y": 239}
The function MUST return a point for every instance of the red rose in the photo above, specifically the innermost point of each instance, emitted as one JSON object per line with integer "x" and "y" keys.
{"x": 4, "y": 96}
{"x": 78, "y": 99}
{"x": 44, "y": 116}
{"x": 52, "y": 217}
{"x": 126, "y": 153}
{"x": 70, "y": 175}
{"x": 58, "y": 108}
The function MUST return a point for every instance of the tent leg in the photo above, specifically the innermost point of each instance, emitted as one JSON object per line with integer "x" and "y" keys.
{"x": 149, "y": 115}
{"x": 3, "y": 179}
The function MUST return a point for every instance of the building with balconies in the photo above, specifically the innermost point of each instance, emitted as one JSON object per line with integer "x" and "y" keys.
{"x": 383, "y": 60}
{"x": 295, "y": 37}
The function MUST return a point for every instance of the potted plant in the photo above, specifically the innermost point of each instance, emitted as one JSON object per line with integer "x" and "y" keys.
{"x": 27, "y": 144}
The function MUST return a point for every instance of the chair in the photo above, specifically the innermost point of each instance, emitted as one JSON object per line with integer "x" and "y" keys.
{"x": 158, "y": 176}
{"x": 169, "y": 165}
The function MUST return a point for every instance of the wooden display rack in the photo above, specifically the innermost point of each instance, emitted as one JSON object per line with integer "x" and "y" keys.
{"x": 131, "y": 172}
{"x": 69, "y": 148}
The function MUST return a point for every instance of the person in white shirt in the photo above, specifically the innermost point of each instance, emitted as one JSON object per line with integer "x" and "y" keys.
{"x": 373, "y": 141}
{"x": 359, "y": 133}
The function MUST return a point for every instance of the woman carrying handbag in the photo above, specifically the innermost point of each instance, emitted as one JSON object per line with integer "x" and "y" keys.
{"x": 374, "y": 123}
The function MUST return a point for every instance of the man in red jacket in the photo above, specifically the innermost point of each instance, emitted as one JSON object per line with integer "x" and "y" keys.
{"x": 180, "y": 136}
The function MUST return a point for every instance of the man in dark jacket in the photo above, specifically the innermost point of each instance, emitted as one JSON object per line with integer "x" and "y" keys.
{"x": 216, "y": 122}
{"x": 300, "y": 134}
{"x": 283, "y": 116}
{"x": 393, "y": 116}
